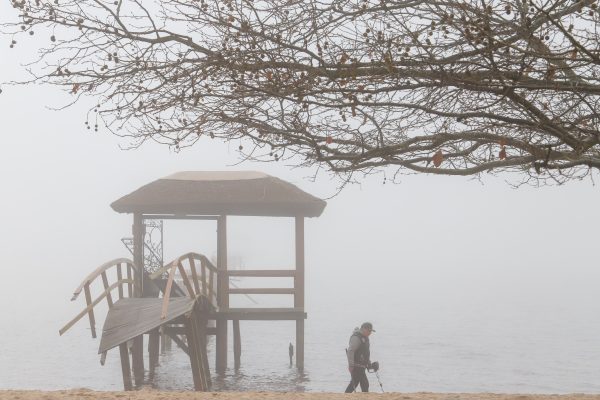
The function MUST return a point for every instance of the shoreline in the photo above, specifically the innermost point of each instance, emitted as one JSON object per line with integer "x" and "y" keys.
{"x": 151, "y": 394}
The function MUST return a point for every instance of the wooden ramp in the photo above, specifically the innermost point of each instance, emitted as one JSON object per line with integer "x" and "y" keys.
{"x": 182, "y": 314}
{"x": 131, "y": 317}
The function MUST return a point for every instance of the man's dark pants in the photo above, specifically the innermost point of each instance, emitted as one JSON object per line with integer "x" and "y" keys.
{"x": 358, "y": 376}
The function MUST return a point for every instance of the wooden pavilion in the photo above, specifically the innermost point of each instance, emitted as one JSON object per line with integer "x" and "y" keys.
{"x": 202, "y": 195}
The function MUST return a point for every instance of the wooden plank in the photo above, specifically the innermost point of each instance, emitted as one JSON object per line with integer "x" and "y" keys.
{"x": 263, "y": 273}
{"x": 194, "y": 274}
{"x": 299, "y": 286}
{"x": 237, "y": 344}
{"x": 257, "y": 310}
{"x": 262, "y": 291}
{"x": 106, "y": 288}
{"x": 119, "y": 278}
{"x": 252, "y": 314}
{"x": 125, "y": 366}
{"x": 88, "y": 301}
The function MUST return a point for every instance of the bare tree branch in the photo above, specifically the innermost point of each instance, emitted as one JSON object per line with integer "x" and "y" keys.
{"x": 444, "y": 87}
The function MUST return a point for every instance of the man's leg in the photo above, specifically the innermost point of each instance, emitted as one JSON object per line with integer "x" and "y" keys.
{"x": 353, "y": 381}
{"x": 364, "y": 381}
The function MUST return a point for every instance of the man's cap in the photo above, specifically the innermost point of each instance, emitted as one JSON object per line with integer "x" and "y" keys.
{"x": 367, "y": 325}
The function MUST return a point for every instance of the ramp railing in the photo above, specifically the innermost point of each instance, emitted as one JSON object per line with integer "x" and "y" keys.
{"x": 196, "y": 272}
{"x": 122, "y": 282}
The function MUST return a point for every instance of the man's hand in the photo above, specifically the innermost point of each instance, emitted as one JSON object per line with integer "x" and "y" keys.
{"x": 350, "y": 369}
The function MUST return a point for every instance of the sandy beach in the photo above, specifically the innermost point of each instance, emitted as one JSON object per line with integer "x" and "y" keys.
{"x": 162, "y": 395}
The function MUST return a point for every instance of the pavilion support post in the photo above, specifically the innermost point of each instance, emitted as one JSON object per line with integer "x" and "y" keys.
{"x": 138, "y": 262}
{"x": 125, "y": 366}
{"x": 138, "y": 255}
{"x": 222, "y": 294}
{"x": 299, "y": 290}
{"x": 237, "y": 344}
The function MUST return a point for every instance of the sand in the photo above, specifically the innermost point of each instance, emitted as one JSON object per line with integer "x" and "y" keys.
{"x": 160, "y": 395}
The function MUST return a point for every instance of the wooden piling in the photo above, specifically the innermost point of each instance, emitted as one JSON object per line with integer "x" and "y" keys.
{"x": 163, "y": 340}
{"x": 153, "y": 351}
{"x": 168, "y": 343}
{"x": 237, "y": 344}
{"x": 138, "y": 262}
{"x": 222, "y": 294}
{"x": 200, "y": 324}
{"x": 197, "y": 353}
{"x": 299, "y": 290}
{"x": 125, "y": 366}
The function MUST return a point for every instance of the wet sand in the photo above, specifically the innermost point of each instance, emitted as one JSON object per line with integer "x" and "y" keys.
{"x": 161, "y": 395}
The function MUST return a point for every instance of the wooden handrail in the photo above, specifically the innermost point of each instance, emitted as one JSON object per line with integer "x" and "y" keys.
{"x": 195, "y": 256}
{"x": 167, "y": 293}
{"x": 262, "y": 291}
{"x": 101, "y": 271}
{"x": 98, "y": 271}
{"x": 192, "y": 284}
{"x": 93, "y": 304}
{"x": 269, "y": 273}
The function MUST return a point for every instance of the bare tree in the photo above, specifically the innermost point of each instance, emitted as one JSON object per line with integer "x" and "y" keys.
{"x": 454, "y": 87}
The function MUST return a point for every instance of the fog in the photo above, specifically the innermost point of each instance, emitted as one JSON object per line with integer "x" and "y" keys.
{"x": 448, "y": 252}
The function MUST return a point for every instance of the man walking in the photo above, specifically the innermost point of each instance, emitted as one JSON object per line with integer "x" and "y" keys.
{"x": 359, "y": 357}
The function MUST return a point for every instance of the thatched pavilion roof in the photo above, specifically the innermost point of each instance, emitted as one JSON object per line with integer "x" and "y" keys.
{"x": 221, "y": 193}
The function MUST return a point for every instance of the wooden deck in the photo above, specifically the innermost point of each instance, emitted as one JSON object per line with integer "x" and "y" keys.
{"x": 182, "y": 313}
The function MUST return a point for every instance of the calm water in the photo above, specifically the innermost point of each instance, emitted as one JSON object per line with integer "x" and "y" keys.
{"x": 489, "y": 335}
